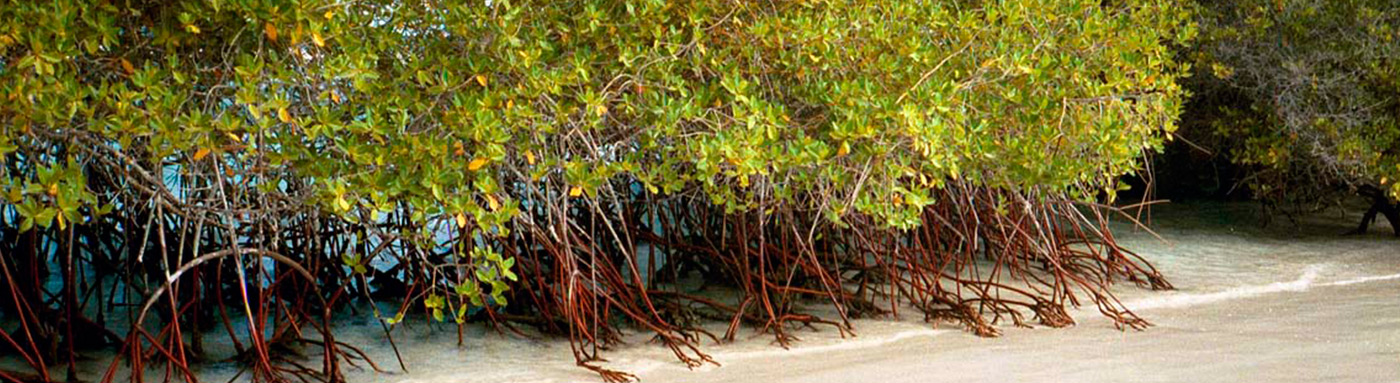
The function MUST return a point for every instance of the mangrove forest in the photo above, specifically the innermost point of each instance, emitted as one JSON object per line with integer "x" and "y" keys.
{"x": 251, "y": 172}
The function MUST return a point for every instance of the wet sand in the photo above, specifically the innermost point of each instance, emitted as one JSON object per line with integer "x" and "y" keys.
{"x": 1283, "y": 303}
{"x": 1279, "y": 304}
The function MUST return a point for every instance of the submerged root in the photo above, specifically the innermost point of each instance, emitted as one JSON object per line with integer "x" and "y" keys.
{"x": 609, "y": 375}
{"x": 1051, "y": 314}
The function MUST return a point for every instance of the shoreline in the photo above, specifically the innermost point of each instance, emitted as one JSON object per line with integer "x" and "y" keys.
{"x": 1248, "y": 286}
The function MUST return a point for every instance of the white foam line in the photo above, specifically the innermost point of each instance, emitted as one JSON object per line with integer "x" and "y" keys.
{"x": 839, "y": 346}
{"x": 1303, "y": 283}
{"x": 1184, "y": 300}
{"x": 1353, "y": 281}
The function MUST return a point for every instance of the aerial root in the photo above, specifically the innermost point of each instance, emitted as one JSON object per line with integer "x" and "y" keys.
{"x": 1051, "y": 314}
{"x": 610, "y": 375}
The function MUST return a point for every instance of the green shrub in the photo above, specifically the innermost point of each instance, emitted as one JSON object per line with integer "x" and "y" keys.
{"x": 437, "y": 107}
{"x": 518, "y": 127}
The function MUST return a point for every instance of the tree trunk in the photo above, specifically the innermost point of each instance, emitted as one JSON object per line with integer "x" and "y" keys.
{"x": 1380, "y": 204}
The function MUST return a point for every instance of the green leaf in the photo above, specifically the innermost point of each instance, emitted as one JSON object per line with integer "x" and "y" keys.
{"x": 45, "y": 217}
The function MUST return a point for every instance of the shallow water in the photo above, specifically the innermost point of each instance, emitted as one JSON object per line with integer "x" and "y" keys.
{"x": 1284, "y": 303}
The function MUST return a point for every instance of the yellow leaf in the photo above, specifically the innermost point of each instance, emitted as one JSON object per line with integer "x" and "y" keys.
{"x": 192, "y": 28}
{"x": 845, "y": 149}
{"x": 329, "y": 14}
{"x": 602, "y": 110}
{"x": 283, "y": 115}
{"x": 510, "y": 104}
{"x": 252, "y": 110}
{"x": 575, "y": 191}
{"x": 477, "y": 163}
{"x": 234, "y": 137}
{"x": 460, "y": 150}
{"x": 480, "y": 79}
{"x": 270, "y": 31}
{"x": 126, "y": 66}
{"x": 492, "y": 202}
{"x": 316, "y": 38}
{"x": 461, "y": 220}
{"x": 201, "y": 153}
{"x": 530, "y": 157}
{"x": 335, "y": 97}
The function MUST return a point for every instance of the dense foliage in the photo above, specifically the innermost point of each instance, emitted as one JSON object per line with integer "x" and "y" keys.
{"x": 1307, "y": 93}
{"x": 436, "y": 107}
{"x": 487, "y": 153}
